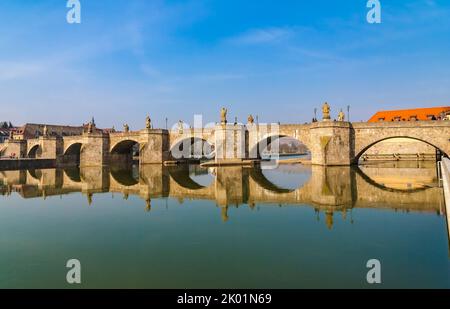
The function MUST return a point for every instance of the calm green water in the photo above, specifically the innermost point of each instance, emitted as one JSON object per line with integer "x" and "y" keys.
{"x": 187, "y": 227}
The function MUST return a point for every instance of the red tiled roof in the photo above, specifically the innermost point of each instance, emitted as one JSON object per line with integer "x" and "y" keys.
{"x": 410, "y": 114}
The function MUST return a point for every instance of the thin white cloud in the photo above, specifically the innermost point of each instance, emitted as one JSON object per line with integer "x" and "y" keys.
{"x": 219, "y": 77}
{"x": 12, "y": 70}
{"x": 262, "y": 36}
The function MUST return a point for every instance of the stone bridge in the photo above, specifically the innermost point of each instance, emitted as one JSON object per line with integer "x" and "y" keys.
{"x": 330, "y": 142}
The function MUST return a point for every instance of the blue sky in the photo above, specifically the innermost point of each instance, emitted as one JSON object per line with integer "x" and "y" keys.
{"x": 275, "y": 59}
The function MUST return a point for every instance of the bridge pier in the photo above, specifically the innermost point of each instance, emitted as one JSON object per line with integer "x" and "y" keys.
{"x": 95, "y": 179}
{"x": 231, "y": 143}
{"x": 331, "y": 143}
{"x": 154, "y": 147}
{"x": 52, "y": 147}
{"x": 154, "y": 181}
{"x": 95, "y": 150}
{"x": 333, "y": 186}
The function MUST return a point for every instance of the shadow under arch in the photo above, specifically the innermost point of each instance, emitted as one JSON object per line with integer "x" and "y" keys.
{"x": 34, "y": 152}
{"x": 361, "y": 153}
{"x": 126, "y": 151}
{"x": 73, "y": 173}
{"x": 372, "y": 182}
{"x": 266, "y": 142}
{"x": 125, "y": 176}
{"x": 73, "y": 149}
{"x": 181, "y": 175}
{"x": 124, "y": 147}
{"x": 258, "y": 176}
{"x": 73, "y": 153}
{"x": 178, "y": 149}
{"x": 36, "y": 174}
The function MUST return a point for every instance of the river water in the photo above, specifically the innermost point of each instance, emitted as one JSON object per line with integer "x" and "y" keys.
{"x": 188, "y": 227}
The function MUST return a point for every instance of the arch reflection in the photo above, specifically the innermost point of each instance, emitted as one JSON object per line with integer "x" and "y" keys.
{"x": 326, "y": 189}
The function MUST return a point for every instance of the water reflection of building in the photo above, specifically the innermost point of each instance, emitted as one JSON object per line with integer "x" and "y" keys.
{"x": 328, "y": 190}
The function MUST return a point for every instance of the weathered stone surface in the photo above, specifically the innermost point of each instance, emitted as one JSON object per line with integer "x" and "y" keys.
{"x": 330, "y": 142}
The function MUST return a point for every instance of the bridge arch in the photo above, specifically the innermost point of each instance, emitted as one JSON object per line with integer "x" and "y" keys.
{"x": 258, "y": 176}
{"x": 384, "y": 187}
{"x": 123, "y": 146}
{"x": 266, "y": 141}
{"x": 192, "y": 147}
{"x": 370, "y": 143}
{"x": 125, "y": 150}
{"x": 73, "y": 152}
{"x": 35, "y": 174}
{"x": 181, "y": 175}
{"x": 126, "y": 177}
{"x": 35, "y": 151}
{"x": 73, "y": 173}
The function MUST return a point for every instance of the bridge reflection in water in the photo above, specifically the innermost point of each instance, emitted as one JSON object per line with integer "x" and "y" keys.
{"x": 295, "y": 226}
{"x": 400, "y": 186}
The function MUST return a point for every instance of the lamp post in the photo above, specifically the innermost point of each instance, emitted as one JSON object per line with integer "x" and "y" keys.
{"x": 348, "y": 112}
{"x": 166, "y": 123}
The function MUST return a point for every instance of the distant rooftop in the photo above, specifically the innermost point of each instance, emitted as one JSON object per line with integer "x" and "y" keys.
{"x": 429, "y": 113}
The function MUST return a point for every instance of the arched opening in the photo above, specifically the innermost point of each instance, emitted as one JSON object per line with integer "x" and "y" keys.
{"x": 288, "y": 177}
{"x": 73, "y": 173}
{"x": 125, "y": 152}
{"x": 125, "y": 175}
{"x": 192, "y": 148}
{"x": 36, "y": 174}
{"x": 399, "y": 148}
{"x": 400, "y": 177}
{"x": 280, "y": 147}
{"x": 35, "y": 152}
{"x": 72, "y": 154}
{"x": 191, "y": 177}
{"x": 262, "y": 180}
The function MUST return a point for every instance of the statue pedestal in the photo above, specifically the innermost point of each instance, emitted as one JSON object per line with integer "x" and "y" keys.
{"x": 230, "y": 143}
{"x": 330, "y": 143}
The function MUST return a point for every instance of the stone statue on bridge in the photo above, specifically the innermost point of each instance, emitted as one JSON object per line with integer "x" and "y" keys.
{"x": 126, "y": 128}
{"x": 223, "y": 115}
{"x": 148, "y": 123}
{"x": 250, "y": 119}
{"x": 341, "y": 116}
{"x": 326, "y": 112}
{"x": 45, "y": 131}
{"x": 180, "y": 127}
{"x": 90, "y": 127}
